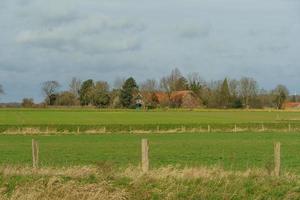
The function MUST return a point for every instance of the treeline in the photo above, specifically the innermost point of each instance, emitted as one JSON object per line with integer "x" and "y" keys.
{"x": 227, "y": 93}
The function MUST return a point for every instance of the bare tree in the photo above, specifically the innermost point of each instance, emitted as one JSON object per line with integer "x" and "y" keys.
{"x": 150, "y": 85}
{"x": 280, "y": 94}
{"x": 50, "y": 89}
{"x": 174, "y": 82}
{"x": 233, "y": 87}
{"x": 165, "y": 85}
{"x": 248, "y": 90}
{"x": 195, "y": 79}
{"x": 74, "y": 86}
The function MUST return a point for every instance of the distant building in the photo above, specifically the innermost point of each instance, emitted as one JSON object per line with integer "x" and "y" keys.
{"x": 292, "y": 105}
{"x": 177, "y": 99}
{"x": 139, "y": 101}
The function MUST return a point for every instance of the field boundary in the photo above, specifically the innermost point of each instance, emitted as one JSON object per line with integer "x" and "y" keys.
{"x": 150, "y": 128}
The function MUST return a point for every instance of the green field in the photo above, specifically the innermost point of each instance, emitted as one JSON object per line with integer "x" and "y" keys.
{"x": 184, "y": 164}
{"x": 134, "y": 121}
{"x": 95, "y": 117}
{"x": 228, "y": 150}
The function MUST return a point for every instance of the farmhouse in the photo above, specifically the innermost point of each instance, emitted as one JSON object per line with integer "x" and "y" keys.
{"x": 292, "y": 105}
{"x": 184, "y": 99}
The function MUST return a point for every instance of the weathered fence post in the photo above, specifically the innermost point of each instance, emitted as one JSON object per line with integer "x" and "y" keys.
{"x": 235, "y": 128}
{"x": 35, "y": 154}
{"x": 78, "y": 130}
{"x": 208, "y": 128}
{"x": 277, "y": 158}
{"x": 145, "y": 155}
{"x": 157, "y": 129}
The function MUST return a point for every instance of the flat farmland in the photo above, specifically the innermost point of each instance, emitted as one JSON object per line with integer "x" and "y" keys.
{"x": 230, "y": 151}
{"x": 184, "y": 164}
{"x": 95, "y": 117}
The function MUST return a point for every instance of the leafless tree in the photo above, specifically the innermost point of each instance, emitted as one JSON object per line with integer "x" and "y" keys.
{"x": 74, "y": 86}
{"x": 195, "y": 79}
{"x": 233, "y": 87}
{"x": 280, "y": 94}
{"x": 173, "y": 82}
{"x": 49, "y": 89}
{"x": 150, "y": 85}
{"x": 248, "y": 89}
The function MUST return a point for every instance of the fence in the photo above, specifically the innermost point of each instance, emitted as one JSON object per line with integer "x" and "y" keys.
{"x": 145, "y": 161}
{"x": 150, "y": 128}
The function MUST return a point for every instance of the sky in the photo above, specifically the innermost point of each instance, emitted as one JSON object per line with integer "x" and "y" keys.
{"x": 104, "y": 39}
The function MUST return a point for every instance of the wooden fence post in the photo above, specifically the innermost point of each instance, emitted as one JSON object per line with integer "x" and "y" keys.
{"x": 145, "y": 155}
{"x": 35, "y": 153}
{"x": 277, "y": 158}
{"x": 235, "y": 128}
{"x": 208, "y": 128}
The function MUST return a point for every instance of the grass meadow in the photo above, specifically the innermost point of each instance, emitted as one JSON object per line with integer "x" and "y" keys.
{"x": 183, "y": 164}
{"x": 231, "y": 151}
{"x": 105, "y": 117}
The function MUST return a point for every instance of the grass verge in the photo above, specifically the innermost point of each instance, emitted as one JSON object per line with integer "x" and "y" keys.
{"x": 106, "y": 182}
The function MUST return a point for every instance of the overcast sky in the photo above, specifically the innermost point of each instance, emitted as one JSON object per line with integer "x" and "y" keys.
{"x": 104, "y": 39}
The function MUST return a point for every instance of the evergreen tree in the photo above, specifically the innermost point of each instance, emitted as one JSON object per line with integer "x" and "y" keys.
{"x": 224, "y": 94}
{"x": 128, "y": 90}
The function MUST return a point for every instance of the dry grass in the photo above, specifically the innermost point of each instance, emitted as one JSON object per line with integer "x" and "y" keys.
{"x": 105, "y": 182}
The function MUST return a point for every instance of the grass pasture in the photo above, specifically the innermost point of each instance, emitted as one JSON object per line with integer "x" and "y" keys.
{"x": 102, "y": 117}
{"x": 183, "y": 164}
{"x": 231, "y": 151}
{"x": 116, "y": 121}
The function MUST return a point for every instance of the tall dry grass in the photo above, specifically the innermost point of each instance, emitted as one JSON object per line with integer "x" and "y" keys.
{"x": 108, "y": 183}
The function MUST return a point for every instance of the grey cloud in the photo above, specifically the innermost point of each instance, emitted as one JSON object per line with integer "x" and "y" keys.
{"x": 58, "y": 39}
{"x": 95, "y": 34}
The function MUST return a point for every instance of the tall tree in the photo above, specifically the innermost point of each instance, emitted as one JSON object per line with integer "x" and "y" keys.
{"x": 224, "y": 94}
{"x": 66, "y": 98}
{"x": 101, "y": 96}
{"x": 195, "y": 83}
{"x": 86, "y": 92}
{"x": 280, "y": 94}
{"x": 129, "y": 89}
{"x": 248, "y": 90}
{"x": 150, "y": 85}
{"x": 174, "y": 82}
{"x": 74, "y": 86}
{"x": 50, "y": 90}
